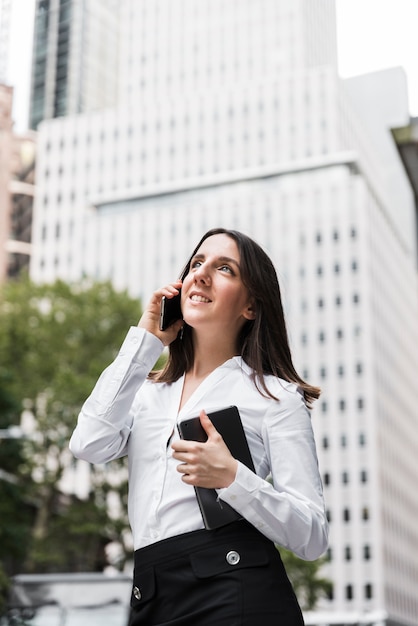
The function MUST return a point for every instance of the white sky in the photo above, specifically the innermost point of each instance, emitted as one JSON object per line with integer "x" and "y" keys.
{"x": 377, "y": 34}
{"x": 372, "y": 35}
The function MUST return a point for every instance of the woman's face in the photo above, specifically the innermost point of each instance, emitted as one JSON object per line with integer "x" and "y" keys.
{"x": 213, "y": 295}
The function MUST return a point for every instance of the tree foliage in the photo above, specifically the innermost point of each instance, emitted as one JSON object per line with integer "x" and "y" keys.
{"x": 309, "y": 586}
{"x": 54, "y": 342}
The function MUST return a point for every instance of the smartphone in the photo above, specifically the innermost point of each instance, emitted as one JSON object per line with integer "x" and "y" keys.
{"x": 170, "y": 311}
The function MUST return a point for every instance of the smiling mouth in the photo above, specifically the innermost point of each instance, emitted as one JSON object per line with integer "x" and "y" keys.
{"x": 200, "y": 299}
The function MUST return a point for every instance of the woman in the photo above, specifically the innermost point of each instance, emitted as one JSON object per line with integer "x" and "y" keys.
{"x": 231, "y": 348}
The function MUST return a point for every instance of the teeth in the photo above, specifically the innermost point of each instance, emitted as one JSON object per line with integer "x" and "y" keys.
{"x": 199, "y": 299}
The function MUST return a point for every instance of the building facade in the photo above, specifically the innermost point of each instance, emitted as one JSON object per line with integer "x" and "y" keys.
{"x": 17, "y": 186}
{"x": 75, "y": 57}
{"x": 6, "y": 142}
{"x": 232, "y": 114}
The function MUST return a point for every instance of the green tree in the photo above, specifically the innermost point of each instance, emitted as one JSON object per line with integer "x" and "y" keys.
{"x": 54, "y": 342}
{"x": 14, "y": 518}
{"x": 309, "y": 586}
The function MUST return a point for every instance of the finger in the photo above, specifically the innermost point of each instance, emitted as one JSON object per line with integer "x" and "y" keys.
{"x": 207, "y": 425}
{"x": 172, "y": 290}
{"x": 182, "y": 446}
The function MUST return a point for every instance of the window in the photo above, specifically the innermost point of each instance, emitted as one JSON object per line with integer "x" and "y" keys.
{"x": 323, "y": 372}
{"x": 359, "y": 368}
{"x": 320, "y": 303}
{"x": 347, "y": 553}
{"x": 344, "y": 478}
{"x": 328, "y": 514}
{"x": 341, "y": 405}
{"x": 346, "y": 515}
{"x": 337, "y": 268}
{"x": 365, "y": 514}
{"x": 338, "y": 300}
{"x": 360, "y": 403}
{"x": 366, "y": 553}
{"x": 329, "y": 555}
{"x": 327, "y": 478}
{"x": 368, "y": 591}
{"x": 343, "y": 441}
{"x": 340, "y": 333}
{"x": 363, "y": 476}
{"x": 325, "y": 443}
{"x": 362, "y": 439}
{"x": 356, "y": 298}
{"x": 330, "y": 592}
{"x": 321, "y": 336}
{"x": 340, "y": 371}
{"x": 349, "y": 592}
{"x": 324, "y": 407}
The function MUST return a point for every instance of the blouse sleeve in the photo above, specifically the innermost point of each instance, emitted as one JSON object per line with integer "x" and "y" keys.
{"x": 105, "y": 421}
{"x": 290, "y": 509}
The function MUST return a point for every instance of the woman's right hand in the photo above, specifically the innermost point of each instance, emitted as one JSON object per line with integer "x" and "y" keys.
{"x": 150, "y": 319}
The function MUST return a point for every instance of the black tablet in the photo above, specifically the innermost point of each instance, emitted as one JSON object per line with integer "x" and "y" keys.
{"x": 228, "y": 423}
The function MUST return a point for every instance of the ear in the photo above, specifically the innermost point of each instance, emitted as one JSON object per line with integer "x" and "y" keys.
{"x": 249, "y": 312}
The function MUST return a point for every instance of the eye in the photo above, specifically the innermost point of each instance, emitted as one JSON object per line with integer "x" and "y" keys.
{"x": 226, "y": 268}
{"x": 195, "y": 264}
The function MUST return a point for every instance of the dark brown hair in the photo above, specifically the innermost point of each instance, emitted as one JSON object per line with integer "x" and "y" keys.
{"x": 263, "y": 342}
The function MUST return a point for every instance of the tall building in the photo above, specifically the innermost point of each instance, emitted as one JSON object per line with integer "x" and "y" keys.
{"x": 75, "y": 56}
{"x": 5, "y": 15}
{"x": 17, "y": 178}
{"x": 6, "y": 140}
{"x": 406, "y": 138}
{"x": 233, "y": 114}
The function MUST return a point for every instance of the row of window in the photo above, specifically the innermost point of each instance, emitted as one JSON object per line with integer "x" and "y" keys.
{"x": 355, "y": 298}
{"x": 343, "y": 441}
{"x": 346, "y": 514}
{"x": 342, "y": 403}
{"x": 345, "y": 477}
{"x": 348, "y": 553}
{"x": 322, "y": 335}
{"x": 336, "y": 268}
{"x": 335, "y": 236}
{"x": 341, "y": 370}
{"x": 349, "y": 592}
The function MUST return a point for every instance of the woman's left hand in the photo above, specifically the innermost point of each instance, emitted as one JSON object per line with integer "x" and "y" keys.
{"x": 209, "y": 464}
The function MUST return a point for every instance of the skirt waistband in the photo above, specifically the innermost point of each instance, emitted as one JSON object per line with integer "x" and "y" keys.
{"x": 187, "y": 542}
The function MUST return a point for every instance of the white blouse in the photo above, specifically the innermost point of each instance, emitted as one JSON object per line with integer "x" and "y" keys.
{"x": 129, "y": 414}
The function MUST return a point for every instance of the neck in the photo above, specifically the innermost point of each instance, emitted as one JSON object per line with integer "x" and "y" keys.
{"x": 210, "y": 354}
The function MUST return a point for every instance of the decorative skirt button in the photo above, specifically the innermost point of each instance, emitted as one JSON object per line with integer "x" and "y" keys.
{"x": 233, "y": 557}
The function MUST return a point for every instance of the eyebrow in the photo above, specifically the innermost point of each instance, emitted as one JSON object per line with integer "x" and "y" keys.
{"x": 220, "y": 259}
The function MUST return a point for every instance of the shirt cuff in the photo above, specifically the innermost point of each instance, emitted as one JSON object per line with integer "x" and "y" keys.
{"x": 242, "y": 490}
{"x": 139, "y": 338}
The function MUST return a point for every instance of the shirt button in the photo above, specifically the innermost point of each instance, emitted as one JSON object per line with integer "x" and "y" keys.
{"x": 233, "y": 558}
{"x": 137, "y": 593}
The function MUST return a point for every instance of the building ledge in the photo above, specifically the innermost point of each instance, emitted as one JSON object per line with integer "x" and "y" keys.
{"x": 235, "y": 176}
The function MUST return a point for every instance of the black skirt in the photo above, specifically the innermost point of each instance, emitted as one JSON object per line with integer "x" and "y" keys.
{"x": 231, "y": 576}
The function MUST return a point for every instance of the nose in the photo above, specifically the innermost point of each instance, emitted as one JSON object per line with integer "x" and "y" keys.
{"x": 201, "y": 274}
